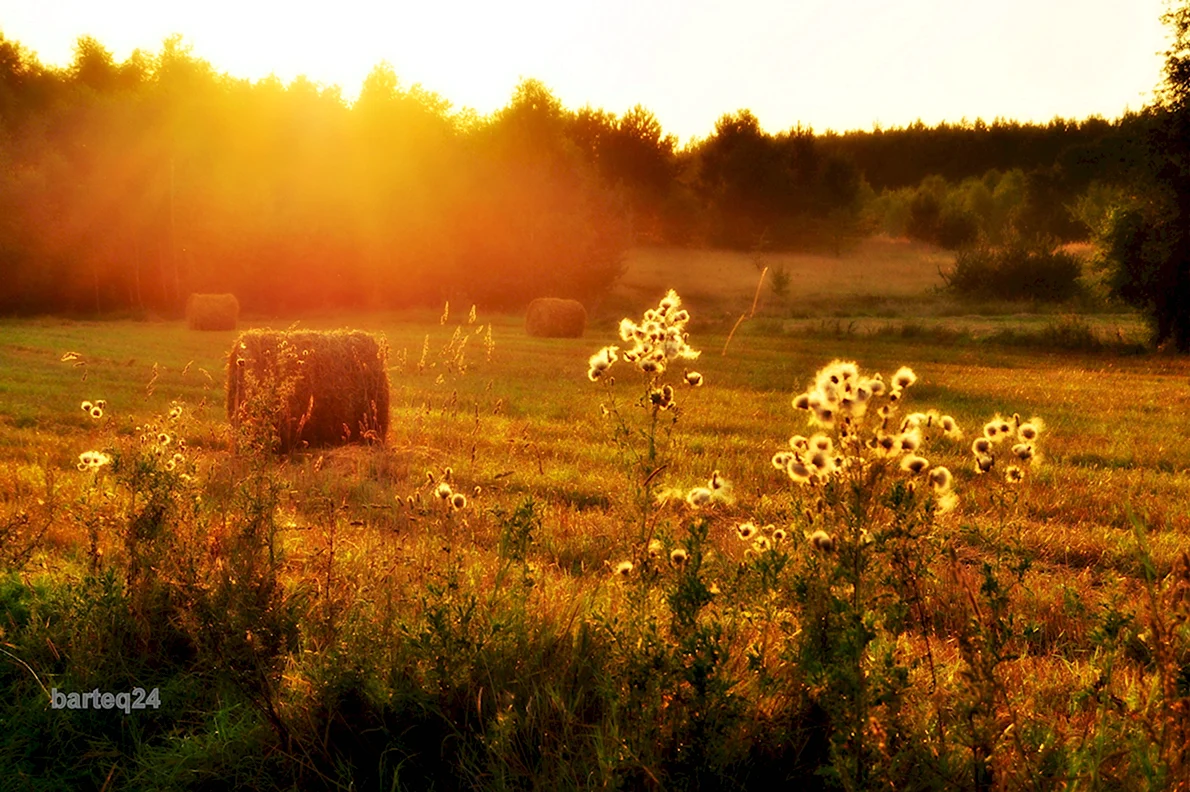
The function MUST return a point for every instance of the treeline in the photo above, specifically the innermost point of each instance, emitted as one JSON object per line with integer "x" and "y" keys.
{"x": 126, "y": 186}
{"x": 1078, "y": 151}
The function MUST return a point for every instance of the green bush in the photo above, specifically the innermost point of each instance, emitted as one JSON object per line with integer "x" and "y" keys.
{"x": 1017, "y": 271}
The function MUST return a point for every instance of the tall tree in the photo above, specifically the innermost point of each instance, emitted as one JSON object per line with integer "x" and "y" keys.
{"x": 1149, "y": 241}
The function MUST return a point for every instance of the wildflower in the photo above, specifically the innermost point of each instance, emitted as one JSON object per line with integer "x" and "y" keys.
{"x": 163, "y": 439}
{"x": 984, "y": 463}
{"x": 1028, "y": 431}
{"x": 981, "y": 446}
{"x": 941, "y": 478}
{"x": 914, "y": 420}
{"x": 170, "y": 464}
{"x": 458, "y": 501}
{"x": 86, "y": 405}
{"x": 762, "y": 544}
{"x": 677, "y": 557}
{"x": 821, "y": 540}
{"x": 822, "y": 462}
{"x": 443, "y": 491}
{"x": 945, "y": 501}
{"x": 798, "y": 471}
{"x": 745, "y": 531}
{"x": 904, "y": 378}
{"x": 1014, "y": 475}
{"x": 888, "y": 444}
{"x": 655, "y": 548}
{"x": 914, "y": 464}
{"x": 601, "y": 361}
{"x": 93, "y": 460}
{"x": 693, "y": 378}
{"x": 781, "y": 459}
{"x": 799, "y": 443}
{"x": 801, "y": 401}
{"x": 950, "y": 427}
{"x": 628, "y": 330}
{"x": 623, "y": 569}
{"x": 824, "y": 416}
{"x": 779, "y": 535}
{"x": 821, "y": 442}
{"x": 1023, "y": 451}
{"x": 699, "y": 496}
{"x": 175, "y": 412}
{"x": 910, "y": 441}
{"x": 97, "y": 412}
{"x": 877, "y": 385}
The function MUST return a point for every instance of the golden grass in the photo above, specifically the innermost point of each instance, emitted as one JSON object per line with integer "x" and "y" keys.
{"x": 876, "y": 267}
{"x": 529, "y": 424}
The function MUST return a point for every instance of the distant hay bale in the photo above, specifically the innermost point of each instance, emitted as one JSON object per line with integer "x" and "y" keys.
{"x": 212, "y": 311}
{"x": 339, "y": 393}
{"x": 551, "y": 317}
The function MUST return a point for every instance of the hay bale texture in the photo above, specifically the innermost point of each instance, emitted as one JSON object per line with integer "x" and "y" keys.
{"x": 212, "y": 311}
{"x": 551, "y": 317}
{"x": 338, "y": 385}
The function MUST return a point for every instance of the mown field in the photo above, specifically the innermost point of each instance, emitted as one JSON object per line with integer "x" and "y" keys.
{"x": 323, "y": 620}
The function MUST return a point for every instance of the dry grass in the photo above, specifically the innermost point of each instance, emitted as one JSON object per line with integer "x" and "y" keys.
{"x": 879, "y": 267}
{"x": 361, "y": 530}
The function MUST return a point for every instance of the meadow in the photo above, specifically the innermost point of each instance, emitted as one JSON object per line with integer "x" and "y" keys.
{"x": 325, "y": 620}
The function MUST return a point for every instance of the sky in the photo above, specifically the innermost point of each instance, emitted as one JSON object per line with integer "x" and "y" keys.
{"x": 826, "y": 64}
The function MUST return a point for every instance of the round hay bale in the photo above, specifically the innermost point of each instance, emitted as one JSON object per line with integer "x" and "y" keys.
{"x": 338, "y": 390}
{"x": 212, "y": 311}
{"x": 551, "y": 317}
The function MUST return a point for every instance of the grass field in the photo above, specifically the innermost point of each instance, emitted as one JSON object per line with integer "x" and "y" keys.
{"x": 322, "y": 620}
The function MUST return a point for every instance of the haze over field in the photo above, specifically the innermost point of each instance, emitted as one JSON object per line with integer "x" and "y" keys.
{"x": 839, "y": 65}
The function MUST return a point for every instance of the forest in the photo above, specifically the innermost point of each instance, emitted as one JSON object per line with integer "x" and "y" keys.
{"x": 125, "y": 186}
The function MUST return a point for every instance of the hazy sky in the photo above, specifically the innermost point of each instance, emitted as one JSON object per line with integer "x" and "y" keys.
{"x": 841, "y": 64}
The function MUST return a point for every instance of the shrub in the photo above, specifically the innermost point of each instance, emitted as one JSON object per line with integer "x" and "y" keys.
{"x": 1017, "y": 271}
{"x": 1138, "y": 248}
{"x": 957, "y": 228}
